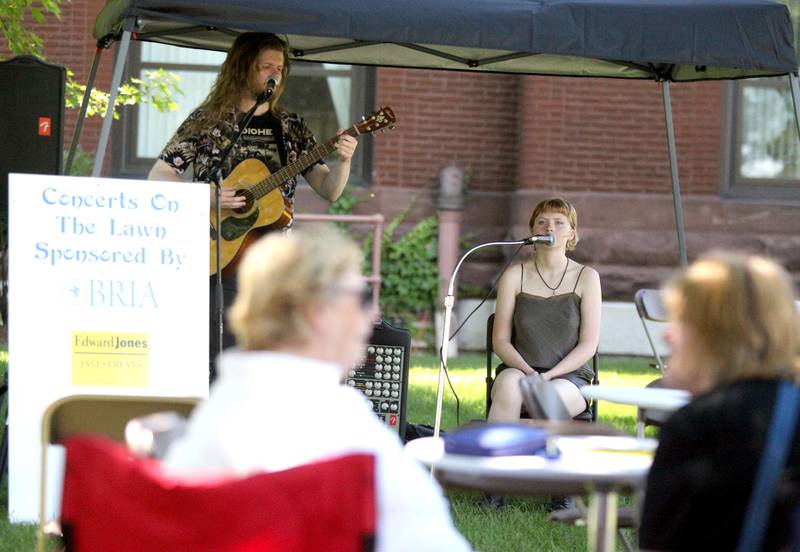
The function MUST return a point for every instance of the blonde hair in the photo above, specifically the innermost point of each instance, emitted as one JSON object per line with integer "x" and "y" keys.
{"x": 562, "y": 206}
{"x": 280, "y": 276}
{"x": 740, "y": 314}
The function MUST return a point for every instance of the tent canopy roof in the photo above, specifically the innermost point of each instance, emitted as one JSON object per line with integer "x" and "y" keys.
{"x": 678, "y": 40}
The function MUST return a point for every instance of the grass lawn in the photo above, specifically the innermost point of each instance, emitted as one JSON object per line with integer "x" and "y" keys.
{"x": 522, "y": 524}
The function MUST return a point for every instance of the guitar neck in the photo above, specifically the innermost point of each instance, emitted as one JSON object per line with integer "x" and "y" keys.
{"x": 291, "y": 170}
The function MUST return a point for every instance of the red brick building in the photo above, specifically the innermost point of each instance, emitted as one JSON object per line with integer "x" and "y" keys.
{"x": 599, "y": 142}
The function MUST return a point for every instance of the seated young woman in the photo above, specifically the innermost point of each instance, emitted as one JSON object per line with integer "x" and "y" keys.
{"x": 547, "y": 319}
{"x": 734, "y": 335}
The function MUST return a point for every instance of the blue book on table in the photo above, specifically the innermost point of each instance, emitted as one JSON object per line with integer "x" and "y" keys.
{"x": 497, "y": 440}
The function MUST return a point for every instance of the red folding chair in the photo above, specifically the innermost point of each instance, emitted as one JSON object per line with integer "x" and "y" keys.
{"x": 115, "y": 501}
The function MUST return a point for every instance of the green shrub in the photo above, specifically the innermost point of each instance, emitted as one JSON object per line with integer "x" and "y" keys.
{"x": 409, "y": 270}
{"x": 409, "y": 266}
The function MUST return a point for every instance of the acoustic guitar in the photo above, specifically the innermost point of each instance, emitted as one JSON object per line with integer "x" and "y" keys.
{"x": 264, "y": 204}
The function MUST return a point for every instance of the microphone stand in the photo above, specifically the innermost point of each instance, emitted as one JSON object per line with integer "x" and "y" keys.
{"x": 219, "y": 300}
{"x": 449, "y": 300}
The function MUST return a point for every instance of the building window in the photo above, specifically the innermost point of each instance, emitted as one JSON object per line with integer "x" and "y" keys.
{"x": 327, "y": 96}
{"x": 764, "y": 154}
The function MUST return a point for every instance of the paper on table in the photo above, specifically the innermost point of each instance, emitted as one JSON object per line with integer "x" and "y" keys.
{"x": 604, "y": 443}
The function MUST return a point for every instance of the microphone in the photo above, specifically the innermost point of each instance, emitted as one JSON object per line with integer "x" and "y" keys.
{"x": 270, "y": 89}
{"x": 271, "y": 84}
{"x": 548, "y": 239}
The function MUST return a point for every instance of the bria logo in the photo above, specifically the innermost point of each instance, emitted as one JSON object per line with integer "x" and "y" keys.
{"x": 128, "y": 294}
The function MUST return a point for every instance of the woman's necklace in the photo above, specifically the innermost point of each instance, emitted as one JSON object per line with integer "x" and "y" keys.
{"x": 558, "y": 285}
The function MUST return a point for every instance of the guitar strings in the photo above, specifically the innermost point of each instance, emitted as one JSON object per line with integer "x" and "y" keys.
{"x": 280, "y": 176}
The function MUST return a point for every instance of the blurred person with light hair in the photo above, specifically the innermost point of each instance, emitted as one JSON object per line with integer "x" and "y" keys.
{"x": 302, "y": 318}
{"x": 734, "y": 334}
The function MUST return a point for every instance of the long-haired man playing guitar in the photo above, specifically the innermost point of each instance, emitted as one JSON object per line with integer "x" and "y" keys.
{"x": 275, "y": 138}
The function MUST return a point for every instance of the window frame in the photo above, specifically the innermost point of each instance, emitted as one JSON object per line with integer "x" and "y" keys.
{"x": 733, "y": 184}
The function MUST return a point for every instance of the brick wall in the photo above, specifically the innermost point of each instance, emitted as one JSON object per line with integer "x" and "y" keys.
{"x": 560, "y": 134}
{"x": 609, "y": 135}
{"x": 443, "y": 117}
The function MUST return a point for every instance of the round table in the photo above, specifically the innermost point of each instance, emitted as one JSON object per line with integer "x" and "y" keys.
{"x": 658, "y": 398}
{"x": 652, "y": 402}
{"x": 602, "y": 466}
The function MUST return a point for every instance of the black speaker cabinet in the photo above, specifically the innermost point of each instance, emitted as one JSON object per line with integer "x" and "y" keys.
{"x": 383, "y": 376}
{"x": 31, "y": 119}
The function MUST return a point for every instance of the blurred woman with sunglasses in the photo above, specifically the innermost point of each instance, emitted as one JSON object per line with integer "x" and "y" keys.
{"x": 302, "y": 319}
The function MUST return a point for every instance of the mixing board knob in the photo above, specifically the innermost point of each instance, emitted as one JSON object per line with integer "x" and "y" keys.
{"x": 396, "y": 360}
{"x": 395, "y": 386}
{"x": 384, "y": 406}
{"x": 396, "y": 369}
{"x": 368, "y": 385}
{"x": 393, "y": 408}
{"x": 351, "y": 373}
{"x": 378, "y": 375}
{"x": 379, "y": 358}
{"x": 386, "y": 385}
{"x": 394, "y": 394}
{"x": 396, "y": 376}
{"x": 385, "y": 392}
{"x": 351, "y": 383}
{"x": 370, "y": 349}
{"x": 368, "y": 392}
{"x": 380, "y": 350}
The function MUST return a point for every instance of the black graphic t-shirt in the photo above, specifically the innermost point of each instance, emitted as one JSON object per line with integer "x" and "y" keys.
{"x": 260, "y": 141}
{"x": 275, "y": 139}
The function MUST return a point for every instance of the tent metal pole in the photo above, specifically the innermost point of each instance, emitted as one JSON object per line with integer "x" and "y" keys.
{"x": 795, "y": 86}
{"x": 116, "y": 80}
{"x": 673, "y": 166}
{"x": 76, "y": 134}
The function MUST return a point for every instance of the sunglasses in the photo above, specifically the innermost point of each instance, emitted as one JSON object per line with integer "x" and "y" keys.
{"x": 364, "y": 295}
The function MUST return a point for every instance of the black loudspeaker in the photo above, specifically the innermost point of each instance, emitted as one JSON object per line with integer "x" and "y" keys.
{"x": 31, "y": 119}
{"x": 383, "y": 376}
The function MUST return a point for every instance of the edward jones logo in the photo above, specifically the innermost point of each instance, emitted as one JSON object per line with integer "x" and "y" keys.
{"x": 111, "y": 359}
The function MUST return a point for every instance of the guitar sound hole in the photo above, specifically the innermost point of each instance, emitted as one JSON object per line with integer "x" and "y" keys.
{"x": 249, "y": 201}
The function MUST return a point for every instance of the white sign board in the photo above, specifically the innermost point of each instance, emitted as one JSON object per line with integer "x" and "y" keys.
{"x": 108, "y": 294}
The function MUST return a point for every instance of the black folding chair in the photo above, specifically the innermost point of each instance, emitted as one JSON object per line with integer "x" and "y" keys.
{"x": 650, "y": 308}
